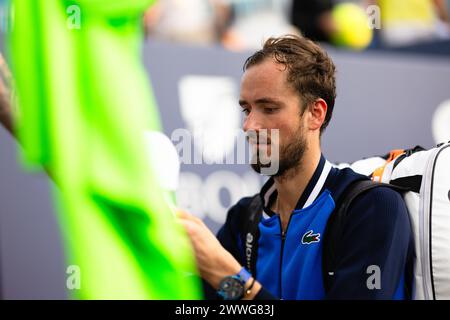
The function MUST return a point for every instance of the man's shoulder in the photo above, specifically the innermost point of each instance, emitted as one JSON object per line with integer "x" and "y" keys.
{"x": 379, "y": 211}
{"x": 240, "y": 208}
{"x": 383, "y": 193}
{"x": 382, "y": 198}
{"x": 244, "y": 202}
{"x": 339, "y": 181}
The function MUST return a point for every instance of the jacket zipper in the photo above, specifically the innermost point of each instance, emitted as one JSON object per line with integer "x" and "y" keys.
{"x": 283, "y": 238}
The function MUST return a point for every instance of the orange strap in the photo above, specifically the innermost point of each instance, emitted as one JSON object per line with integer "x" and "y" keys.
{"x": 377, "y": 175}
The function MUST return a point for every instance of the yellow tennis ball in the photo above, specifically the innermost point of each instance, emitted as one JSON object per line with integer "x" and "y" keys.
{"x": 352, "y": 26}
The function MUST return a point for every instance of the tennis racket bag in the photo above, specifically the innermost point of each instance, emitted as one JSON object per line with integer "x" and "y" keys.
{"x": 425, "y": 177}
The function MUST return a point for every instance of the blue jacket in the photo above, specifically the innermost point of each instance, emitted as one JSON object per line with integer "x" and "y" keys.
{"x": 289, "y": 266}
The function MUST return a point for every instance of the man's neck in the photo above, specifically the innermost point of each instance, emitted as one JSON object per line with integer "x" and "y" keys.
{"x": 291, "y": 186}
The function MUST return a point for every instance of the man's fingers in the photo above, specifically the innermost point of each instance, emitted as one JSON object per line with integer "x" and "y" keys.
{"x": 188, "y": 225}
{"x": 5, "y": 72}
{"x": 182, "y": 214}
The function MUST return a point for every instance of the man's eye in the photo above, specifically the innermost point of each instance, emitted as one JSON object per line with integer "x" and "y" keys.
{"x": 270, "y": 110}
{"x": 245, "y": 111}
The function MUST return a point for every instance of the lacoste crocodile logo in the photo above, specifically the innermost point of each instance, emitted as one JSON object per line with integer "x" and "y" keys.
{"x": 310, "y": 237}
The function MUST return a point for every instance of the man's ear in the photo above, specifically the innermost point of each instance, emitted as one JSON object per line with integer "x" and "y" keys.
{"x": 318, "y": 111}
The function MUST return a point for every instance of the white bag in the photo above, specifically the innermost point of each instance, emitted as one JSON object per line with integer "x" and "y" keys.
{"x": 427, "y": 175}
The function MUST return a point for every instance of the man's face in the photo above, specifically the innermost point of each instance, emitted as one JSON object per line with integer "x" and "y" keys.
{"x": 270, "y": 103}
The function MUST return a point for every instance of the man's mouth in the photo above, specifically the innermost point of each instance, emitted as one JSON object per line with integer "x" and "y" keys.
{"x": 258, "y": 145}
{"x": 260, "y": 142}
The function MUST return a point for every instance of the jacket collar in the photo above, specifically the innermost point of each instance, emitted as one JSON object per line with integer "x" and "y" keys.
{"x": 313, "y": 189}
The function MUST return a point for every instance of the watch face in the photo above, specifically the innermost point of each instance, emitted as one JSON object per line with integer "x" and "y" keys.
{"x": 231, "y": 288}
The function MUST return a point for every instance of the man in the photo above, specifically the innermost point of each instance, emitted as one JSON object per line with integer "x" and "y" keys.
{"x": 289, "y": 85}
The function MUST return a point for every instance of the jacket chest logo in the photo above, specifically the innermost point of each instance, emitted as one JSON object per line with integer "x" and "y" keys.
{"x": 310, "y": 237}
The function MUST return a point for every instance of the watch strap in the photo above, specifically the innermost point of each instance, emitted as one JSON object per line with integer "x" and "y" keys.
{"x": 244, "y": 275}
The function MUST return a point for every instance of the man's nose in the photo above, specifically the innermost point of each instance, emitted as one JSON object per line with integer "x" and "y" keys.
{"x": 252, "y": 122}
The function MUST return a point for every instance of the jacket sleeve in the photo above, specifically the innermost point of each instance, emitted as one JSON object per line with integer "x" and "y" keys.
{"x": 375, "y": 251}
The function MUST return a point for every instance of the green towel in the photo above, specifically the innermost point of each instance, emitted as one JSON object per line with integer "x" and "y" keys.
{"x": 85, "y": 103}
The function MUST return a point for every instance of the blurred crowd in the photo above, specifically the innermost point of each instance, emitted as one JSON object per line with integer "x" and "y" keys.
{"x": 244, "y": 24}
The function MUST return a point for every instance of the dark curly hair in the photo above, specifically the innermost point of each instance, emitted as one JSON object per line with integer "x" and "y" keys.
{"x": 311, "y": 71}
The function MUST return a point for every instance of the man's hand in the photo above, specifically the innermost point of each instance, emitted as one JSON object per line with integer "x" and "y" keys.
{"x": 213, "y": 261}
{"x": 5, "y": 96}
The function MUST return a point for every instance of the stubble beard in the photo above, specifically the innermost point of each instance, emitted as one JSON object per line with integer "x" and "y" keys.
{"x": 290, "y": 157}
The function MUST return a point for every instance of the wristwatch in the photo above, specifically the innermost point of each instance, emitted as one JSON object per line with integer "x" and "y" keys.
{"x": 233, "y": 287}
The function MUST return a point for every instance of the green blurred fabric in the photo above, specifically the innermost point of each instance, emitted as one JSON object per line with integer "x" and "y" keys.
{"x": 85, "y": 102}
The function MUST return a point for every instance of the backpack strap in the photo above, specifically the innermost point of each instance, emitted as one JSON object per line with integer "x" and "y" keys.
{"x": 250, "y": 232}
{"x": 336, "y": 223}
